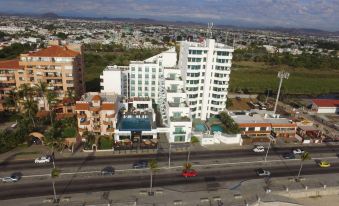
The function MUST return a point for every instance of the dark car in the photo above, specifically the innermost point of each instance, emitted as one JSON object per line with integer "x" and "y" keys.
{"x": 140, "y": 164}
{"x": 109, "y": 170}
{"x": 288, "y": 155}
{"x": 36, "y": 141}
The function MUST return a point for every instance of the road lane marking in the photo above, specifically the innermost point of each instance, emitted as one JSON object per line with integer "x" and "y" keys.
{"x": 176, "y": 167}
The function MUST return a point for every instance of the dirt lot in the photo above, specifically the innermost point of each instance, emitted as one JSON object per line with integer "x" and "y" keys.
{"x": 240, "y": 104}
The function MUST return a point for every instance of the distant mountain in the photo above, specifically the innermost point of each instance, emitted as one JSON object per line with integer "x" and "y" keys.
{"x": 49, "y": 15}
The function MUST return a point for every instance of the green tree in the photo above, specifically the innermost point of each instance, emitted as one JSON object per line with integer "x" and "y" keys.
{"x": 229, "y": 103}
{"x": 229, "y": 124}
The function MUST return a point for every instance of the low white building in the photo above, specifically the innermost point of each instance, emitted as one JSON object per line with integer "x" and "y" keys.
{"x": 136, "y": 120}
{"x": 325, "y": 105}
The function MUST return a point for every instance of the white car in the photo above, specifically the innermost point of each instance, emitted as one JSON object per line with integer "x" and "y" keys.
{"x": 263, "y": 173}
{"x": 259, "y": 149}
{"x": 42, "y": 159}
{"x": 12, "y": 178}
{"x": 298, "y": 151}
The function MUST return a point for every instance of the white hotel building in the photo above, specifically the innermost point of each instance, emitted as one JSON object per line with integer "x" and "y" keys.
{"x": 205, "y": 68}
{"x": 157, "y": 78}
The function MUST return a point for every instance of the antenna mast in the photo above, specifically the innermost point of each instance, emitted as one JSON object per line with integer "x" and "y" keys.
{"x": 209, "y": 30}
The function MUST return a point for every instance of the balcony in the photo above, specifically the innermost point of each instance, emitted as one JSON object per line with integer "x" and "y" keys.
{"x": 175, "y": 90}
{"x": 182, "y": 104}
{"x": 180, "y": 119}
{"x": 179, "y": 132}
{"x": 110, "y": 129}
{"x": 82, "y": 129}
{"x": 85, "y": 123}
{"x": 110, "y": 115}
{"x": 82, "y": 116}
{"x": 96, "y": 129}
{"x": 107, "y": 122}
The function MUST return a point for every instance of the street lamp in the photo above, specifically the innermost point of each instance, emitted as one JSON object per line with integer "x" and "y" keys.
{"x": 281, "y": 75}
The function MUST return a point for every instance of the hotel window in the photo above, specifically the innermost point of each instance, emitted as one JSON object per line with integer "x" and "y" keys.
{"x": 146, "y": 76}
{"x": 153, "y": 70}
{"x": 132, "y": 69}
{"x": 139, "y": 76}
{"x": 262, "y": 128}
{"x": 152, "y": 94}
{"x": 146, "y": 69}
{"x": 139, "y": 69}
{"x": 132, "y": 94}
{"x": 251, "y": 128}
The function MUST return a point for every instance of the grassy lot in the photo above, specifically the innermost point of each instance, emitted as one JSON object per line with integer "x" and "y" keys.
{"x": 257, "y": 77}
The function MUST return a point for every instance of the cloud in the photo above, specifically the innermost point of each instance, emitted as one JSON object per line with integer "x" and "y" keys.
{"x": 323, "y": 14}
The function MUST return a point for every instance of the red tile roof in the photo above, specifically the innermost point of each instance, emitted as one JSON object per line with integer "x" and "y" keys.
{"x": 108, "y": 106}
{"x": 326, "y": 102}
{"x": 96, "y": 98}
{"x": 10, "y": 64}
{"x": 54, "y": 51}
{"x": 82, "y": 106}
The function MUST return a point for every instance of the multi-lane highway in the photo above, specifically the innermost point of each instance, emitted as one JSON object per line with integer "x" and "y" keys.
{"x": 230, "y": 166}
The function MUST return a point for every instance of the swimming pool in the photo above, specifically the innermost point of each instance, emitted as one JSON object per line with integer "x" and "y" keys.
{"x": 135, "y": 124}
{"x": 217, "y": 128}
{"x": 200, "y": 127}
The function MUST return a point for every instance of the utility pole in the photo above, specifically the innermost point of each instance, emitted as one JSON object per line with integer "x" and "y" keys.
{"x": 281, "y": 75}
{"x": 169, "y": 155}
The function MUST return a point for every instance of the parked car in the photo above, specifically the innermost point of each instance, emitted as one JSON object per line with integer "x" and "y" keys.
{"x": 189, "y": 173}
{"x": 262, "y": 173}
{"x": 140, "y": 164}
{"x": 324, "y": 164}
{"x": 36, "y": 141}
{"x": 259, "y": 148}
{"x": 109, "y": 170}
{"x": 298, "y": 151}
{"x": 42, "y": 159}
{"x": 288, "y": 155}
{"x": 13, "y": 178}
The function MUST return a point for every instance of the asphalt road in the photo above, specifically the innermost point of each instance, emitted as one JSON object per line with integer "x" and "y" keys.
{"x": 161, "y": 157}
{"x": 213, "y": 176}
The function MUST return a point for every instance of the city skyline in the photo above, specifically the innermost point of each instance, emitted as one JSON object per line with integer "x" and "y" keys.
{"x": 316, "y": 14}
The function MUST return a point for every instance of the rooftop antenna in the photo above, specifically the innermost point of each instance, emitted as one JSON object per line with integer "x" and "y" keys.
{"x": 209, "y": 30}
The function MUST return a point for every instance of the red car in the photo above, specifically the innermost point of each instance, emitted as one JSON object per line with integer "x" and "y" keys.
{"x": 189, "y": 173}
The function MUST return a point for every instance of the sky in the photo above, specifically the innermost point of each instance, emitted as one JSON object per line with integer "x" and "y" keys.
{"x": 317, "y": 14}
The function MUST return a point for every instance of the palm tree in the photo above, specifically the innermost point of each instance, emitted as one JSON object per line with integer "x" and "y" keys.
{"x": 25, "y": 91}
{"x": 54, "y": 174}
{"x": 52, "y": 100}
{"x": 30, "y": 106}
{"x": 71, "y": 94}
{"x": 305, "y": 156}
{"x": 153, "y": 166}
{"x": 41, "y": 88}
{"x": 193, "y": 141}
{"x": 11, "y": 100}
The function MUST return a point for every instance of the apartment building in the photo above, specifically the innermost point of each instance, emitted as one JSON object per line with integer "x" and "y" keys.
{"x": 97, "y": 113}
{"x": 115, "y": 79}
{"x": 175, "y": 110}
{"x": 206, "y": 68}
{"x": 8, "y": 70}
{"x": 62, "y": 67}
{"x": 145, "y": 75}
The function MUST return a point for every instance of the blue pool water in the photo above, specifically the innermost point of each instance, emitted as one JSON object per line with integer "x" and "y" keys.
{"x": 135, "y": 124}
{"x": 217, "y": 128}
{"x": 200, "y": 128}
